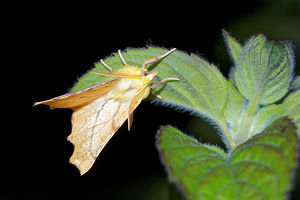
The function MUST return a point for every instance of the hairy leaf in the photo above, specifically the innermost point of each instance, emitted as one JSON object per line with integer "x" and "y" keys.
{"x": 263, "y": 118}
{"x": 264, "y": 70}
{"x": 291, "y": 108}
{"x": 202, "y": 88}
{"x": 258, "y": 169}
{"x": 234, "y": 48}
{"x": 296, "y": 83}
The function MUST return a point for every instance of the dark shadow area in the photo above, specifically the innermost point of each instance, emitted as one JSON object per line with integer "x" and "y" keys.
{"x": 61, "y": 42}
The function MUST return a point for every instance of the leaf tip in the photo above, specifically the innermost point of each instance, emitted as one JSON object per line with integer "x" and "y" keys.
{"x": 234, "y": 48}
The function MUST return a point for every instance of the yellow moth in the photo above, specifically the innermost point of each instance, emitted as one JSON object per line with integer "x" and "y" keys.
{"x": 100, "y": 110}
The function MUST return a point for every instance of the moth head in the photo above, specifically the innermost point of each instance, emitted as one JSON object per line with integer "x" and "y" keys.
{"x": 149, "y": 75}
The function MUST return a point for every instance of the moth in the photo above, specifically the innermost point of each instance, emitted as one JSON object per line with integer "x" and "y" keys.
{"x": 99, "y": 111}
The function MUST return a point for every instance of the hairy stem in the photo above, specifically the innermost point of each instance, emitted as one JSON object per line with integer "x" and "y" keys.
{"x": 247, "y": 120}
{"x": 231, "y": 144}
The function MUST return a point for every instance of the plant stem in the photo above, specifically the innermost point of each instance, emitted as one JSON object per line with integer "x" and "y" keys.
{"x": 226, "y": 133}
{"x": 247, "y": 120}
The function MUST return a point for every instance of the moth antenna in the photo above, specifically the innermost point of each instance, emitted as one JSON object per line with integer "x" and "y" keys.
{"x": 105, "y": 65}
{"x": 120, "y": 54}
{"x": 104, "y": 74}
{"x": 155, "y": 59}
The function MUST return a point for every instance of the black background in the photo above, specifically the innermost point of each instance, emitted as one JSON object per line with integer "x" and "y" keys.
{"x": 54, "y": 44}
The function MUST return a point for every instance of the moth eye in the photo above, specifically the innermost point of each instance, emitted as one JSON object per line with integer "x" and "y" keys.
{"x": 145, "y": 73}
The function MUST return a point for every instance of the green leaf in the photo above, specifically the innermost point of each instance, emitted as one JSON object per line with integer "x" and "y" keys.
{"x": 263, "y": 118}
{"x": 261, "y": 168}
{"x": 296, "y": 83}
{"x": 202, "y": 88}
{"x": 234, "y": 48}
{"x": 291, "y": 108}
{"x": 264, "y": 70}
{"x": 201, "y": 83}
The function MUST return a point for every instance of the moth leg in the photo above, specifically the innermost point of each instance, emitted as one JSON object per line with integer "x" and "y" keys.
{"x": 158, "y": 96}
{"x": 105, "y": 65}
{"x": 156, "y": 84}
{"x": 155, "y": 59}
{"x": 123, "y": 60}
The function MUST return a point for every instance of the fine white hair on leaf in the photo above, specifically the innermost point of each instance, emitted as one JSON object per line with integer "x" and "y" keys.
{"x": 191, "y": 111}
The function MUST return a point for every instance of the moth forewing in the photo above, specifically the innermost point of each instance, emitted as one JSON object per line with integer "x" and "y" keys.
{"x": 93, "y": 126}
{"x": 80, "y": 98}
